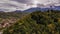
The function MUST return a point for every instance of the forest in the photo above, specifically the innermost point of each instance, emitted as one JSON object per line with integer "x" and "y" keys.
{"x": 37, "y": 22}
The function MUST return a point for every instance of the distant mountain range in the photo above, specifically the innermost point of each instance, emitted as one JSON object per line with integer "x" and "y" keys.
{"x": 41, "y": 9}
{"x": 56, "y": 7}
{"x": 38, "y": 8}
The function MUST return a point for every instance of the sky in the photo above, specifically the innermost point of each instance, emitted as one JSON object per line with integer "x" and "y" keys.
{"x": 12, "y": 5}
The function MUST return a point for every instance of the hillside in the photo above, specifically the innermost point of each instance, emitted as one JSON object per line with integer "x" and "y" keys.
{"x": 9, "y": 18}
{"x": 10, "y": 14}
{"x": 36, "y": 23}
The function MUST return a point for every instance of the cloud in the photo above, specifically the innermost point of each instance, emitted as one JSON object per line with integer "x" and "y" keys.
{"x": 24, "y": 1}
{"x": 11, "y": 5}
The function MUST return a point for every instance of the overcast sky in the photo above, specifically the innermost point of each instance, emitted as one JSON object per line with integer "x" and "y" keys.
{"x": 11, "y": 5}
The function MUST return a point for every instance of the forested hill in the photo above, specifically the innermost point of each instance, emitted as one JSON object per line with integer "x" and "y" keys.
{"x": 37, "y": 23}
{"x": 10, "y": 14}
{"x": 9, "y": 18}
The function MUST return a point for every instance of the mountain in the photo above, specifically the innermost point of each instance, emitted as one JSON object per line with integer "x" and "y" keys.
{"x": 32, "y": 9}
{"x": 1, "y": 11}
{"x": 17, "y": 11}
{"x": 36, "y": 9}
{"x": 36, "y": 23}
{"x": 42, "y": 9}
{"x": 57, "y": 7}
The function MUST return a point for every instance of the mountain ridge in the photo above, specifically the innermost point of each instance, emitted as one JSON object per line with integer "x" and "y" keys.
{"x": 38, "y": 8}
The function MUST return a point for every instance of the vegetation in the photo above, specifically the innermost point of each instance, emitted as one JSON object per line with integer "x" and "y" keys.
{"x": 38, "y": 22}
{"x": 10, "y": 14}
{"x": 9, "y": 18}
